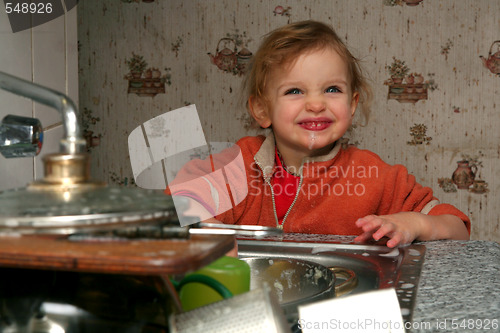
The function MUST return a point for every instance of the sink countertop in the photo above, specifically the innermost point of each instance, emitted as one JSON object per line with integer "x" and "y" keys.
{"x": 459, "y": 285}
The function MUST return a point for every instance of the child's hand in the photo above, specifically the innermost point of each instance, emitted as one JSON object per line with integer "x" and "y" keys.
{"x": 401, "y": 228}
{"x": 404, "y": 228}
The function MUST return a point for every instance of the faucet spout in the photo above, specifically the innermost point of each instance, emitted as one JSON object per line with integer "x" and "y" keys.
{"x": 73, "y": 142}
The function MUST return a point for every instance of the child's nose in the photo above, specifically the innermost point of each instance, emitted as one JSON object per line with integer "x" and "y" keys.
{"x": 315, "y": 104}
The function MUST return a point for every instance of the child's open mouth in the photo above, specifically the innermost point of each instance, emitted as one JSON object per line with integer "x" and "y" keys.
{"x": 315, "y": 125}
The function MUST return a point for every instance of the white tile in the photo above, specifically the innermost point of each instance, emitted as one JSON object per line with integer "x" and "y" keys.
{"x": 15, "y": 59}
{"x": 49, "y": 67}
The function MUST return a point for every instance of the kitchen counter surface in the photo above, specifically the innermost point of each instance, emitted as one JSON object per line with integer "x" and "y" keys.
{"x": 459, "y": 286}
{"x": 459, "y": 289}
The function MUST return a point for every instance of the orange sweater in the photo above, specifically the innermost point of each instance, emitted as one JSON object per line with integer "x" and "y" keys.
{"x": 334, "y": 191}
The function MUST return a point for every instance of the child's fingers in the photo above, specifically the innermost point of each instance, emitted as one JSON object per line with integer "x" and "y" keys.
{"x": 369, "y": 226}
{"x": 395, "y": 240}
{"x": 367, "y": 218}
{"x": 377, "y": 227}
{"x": 368, "y": 223}
{"x": 386, "y": 229}
{"x": 363, "y": 237}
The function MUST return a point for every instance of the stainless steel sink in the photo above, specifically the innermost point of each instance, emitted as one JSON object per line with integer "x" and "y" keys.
{"x": 376, "y": 266}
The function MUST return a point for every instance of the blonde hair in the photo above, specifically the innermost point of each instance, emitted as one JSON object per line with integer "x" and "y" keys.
{"x": 282, "y": 46}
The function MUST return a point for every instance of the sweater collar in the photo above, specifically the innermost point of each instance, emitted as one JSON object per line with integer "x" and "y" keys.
{"x": 265, "y": 156}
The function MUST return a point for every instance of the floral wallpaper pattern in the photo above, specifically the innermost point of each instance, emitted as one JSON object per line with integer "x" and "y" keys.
{"x": 88, "y": 120}
{"x": 228, "y": 58}
{"x": 412, "y": 90}
{"x": 492, "y": 60}
{"x": 418, "y": 132}
{"x": 433, "y": 65}
{"x": 145, "y": 82}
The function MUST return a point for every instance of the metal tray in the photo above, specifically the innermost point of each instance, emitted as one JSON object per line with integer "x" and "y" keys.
{"x": 376, "y": 266}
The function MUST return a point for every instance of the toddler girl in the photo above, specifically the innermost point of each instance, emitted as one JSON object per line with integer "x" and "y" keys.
{"x": 305, "y": 86}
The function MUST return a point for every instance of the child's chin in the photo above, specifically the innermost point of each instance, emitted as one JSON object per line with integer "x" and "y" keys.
{"x": 320, "y": 147}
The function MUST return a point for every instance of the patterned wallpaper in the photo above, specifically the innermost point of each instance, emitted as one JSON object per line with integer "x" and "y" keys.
{"x": 434, "y": 67}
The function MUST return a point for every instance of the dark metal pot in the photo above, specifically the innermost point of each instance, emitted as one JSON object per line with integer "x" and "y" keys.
{"x": 296, "y": 282}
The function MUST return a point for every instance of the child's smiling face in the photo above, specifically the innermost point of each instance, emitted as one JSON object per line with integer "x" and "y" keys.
{"x": 309, "y": 103}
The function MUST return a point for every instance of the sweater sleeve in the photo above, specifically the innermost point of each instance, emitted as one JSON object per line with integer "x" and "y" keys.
{"x": 402, "y": 193}
{"x": 444, "y": 208}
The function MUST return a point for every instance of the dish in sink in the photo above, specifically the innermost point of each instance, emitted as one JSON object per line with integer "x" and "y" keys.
{"x": 376, "y": 266}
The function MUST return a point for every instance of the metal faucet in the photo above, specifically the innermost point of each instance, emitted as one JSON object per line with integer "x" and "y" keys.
{"x": 72, "y": 142}
{"x": 20, "y": 136}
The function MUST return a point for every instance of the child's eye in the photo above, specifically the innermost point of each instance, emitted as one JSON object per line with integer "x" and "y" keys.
{"x": 293, "y": 91}
{"x": 332, "y": 89}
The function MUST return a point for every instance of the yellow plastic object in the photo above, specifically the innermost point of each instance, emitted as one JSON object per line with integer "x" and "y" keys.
{"x": 233, "y": 273}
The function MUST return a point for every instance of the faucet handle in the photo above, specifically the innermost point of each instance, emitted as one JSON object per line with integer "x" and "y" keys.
{"x": 20, "y": 136}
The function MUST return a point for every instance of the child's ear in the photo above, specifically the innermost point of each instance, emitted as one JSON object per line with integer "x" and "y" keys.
{"x": 259, "y": 111}
{"x": 354, "y": 102}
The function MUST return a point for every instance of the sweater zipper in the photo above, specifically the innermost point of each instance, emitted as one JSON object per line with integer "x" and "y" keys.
{"x": 268, "y": 182}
